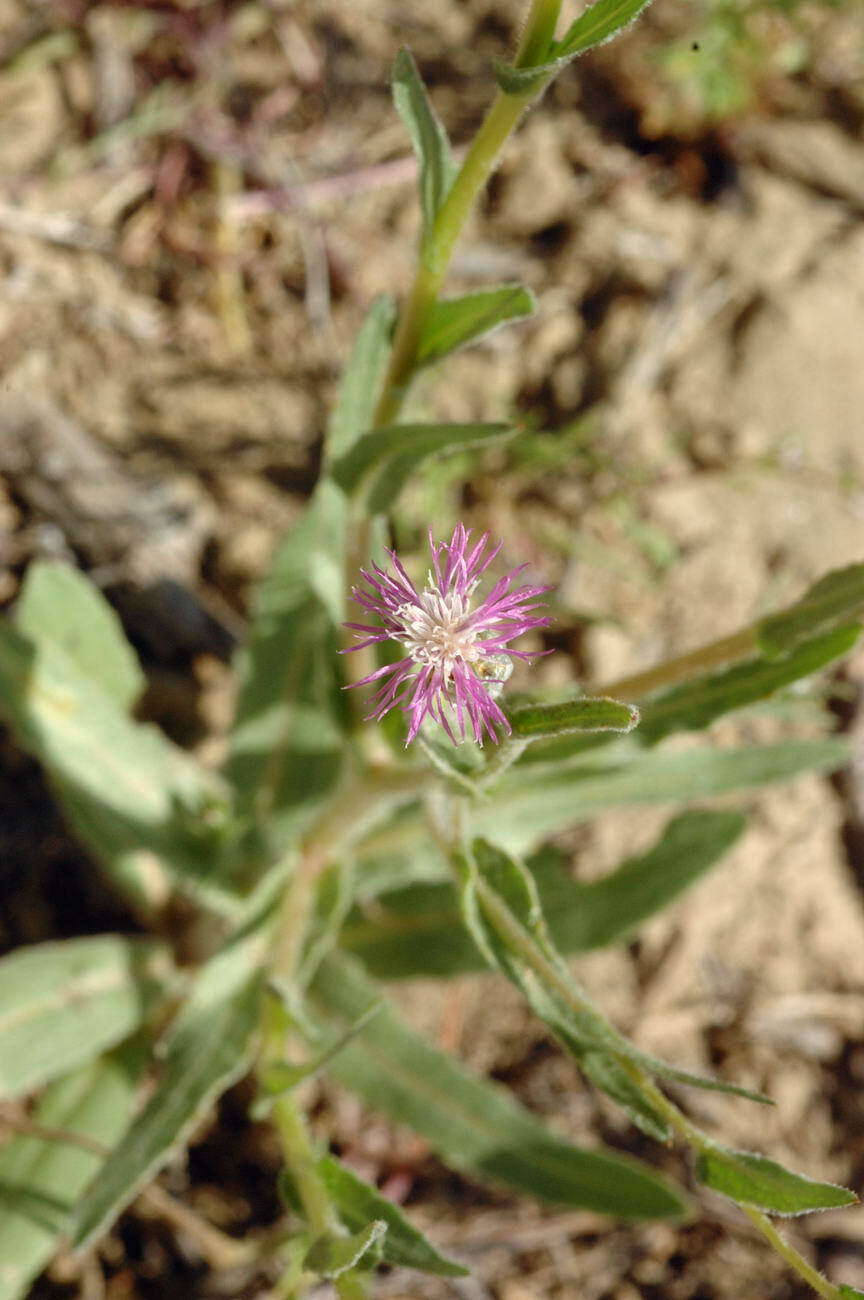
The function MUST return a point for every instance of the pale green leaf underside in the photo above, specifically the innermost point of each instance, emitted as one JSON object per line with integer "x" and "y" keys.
{"x": 63, "y": 1003}
{"x": 41, "y": 1182}
{"x": 58, "y": 604}
{"x": 131, "y": 793}
{"x": 533, "y": 802}
{"x": 206, "y": 1050}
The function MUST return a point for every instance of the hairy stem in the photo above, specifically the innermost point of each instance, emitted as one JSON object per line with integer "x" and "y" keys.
{"x": 472, "y": 177}
{"x": 546, "y": 971}
{"x": 728, "y": 650}
{"x": 698, "y": 1141}
{"x": 301, "y": 1159}
{"x": 364, "y": 800}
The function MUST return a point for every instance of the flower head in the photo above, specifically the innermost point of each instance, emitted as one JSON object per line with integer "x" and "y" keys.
{"x": 458, "y": 658}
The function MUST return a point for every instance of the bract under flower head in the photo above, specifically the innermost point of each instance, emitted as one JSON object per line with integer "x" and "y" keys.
{"x": 458, "y": 656}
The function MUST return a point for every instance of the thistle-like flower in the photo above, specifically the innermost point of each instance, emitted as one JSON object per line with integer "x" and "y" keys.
{"x": 458, "y": 657}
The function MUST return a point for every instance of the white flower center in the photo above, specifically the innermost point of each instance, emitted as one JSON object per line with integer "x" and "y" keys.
{"x": 435, "y": 633}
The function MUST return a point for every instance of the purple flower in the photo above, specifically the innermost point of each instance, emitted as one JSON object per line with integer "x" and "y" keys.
{"x": 458, "y": 657}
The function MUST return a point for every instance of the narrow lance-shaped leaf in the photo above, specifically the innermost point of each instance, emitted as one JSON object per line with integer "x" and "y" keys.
{"x": 381, "y": 462}
{"x": 353, "y": 412}
{"x": 61, "y": 1004}
{"x": 428, "y": 137}
{"x": 41, "y": 1181}
{"x": 696, "y": 704}
{"x": 360, "y": 1203}
{"x": 751, "y": 1179}
{"x": 596, "y": 25}
{"x": 833, "y": 600}
{"x": 530, "y": 803}
{"x": 416, "y": 931}
{"x": 288, "y": 740}
{"x": 206, "y": 1050}
{"x": 452, "y": 323}
{"x": 474, "y": 1125}
{"x": 536, "y": 721}
{"x": 599, "y": 23}
{"x": 502, "y": 910}
{"x": 289, "y": 734}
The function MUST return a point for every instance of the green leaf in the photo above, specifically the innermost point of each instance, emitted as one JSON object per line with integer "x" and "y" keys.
{"x": 851, "y": 1292}
{"x": 382, "y": 461}
{"x": 598, "y": 24}
{"x": 330, "y": 1257}
{"x": 428, "y": 137}
{"x": 531, "y": 803}
{"x": 535, "y": 721}
{"x": 452, "y": 323}
{"x": 42, "y": 1181}
{"x": 141, "y": 803}
{"x": 696, "y": 704}
{"x": 834, "y": 600}
{"x": 592, "y": 914}
{"x": 288, "y": 740}
{"x": 415, "y": 931}
{"x": 58, "y": 604}
{"x": 751, "y": 1179}
{"x": 358, "y": 1203}
{"x": 207, "y": 1048}
{"x": 281, "y": 1076}
{"x": 289, "y": 732}
{"x": 474, "y": 1125}
{"x": 61, "y": 1004}
{"x": 609, "y": 1075}
{"x": 353, "y": 414}
{"x": 502, "y": 910}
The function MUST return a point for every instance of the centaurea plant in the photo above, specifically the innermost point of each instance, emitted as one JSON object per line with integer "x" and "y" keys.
{"x": 301, "y": 857}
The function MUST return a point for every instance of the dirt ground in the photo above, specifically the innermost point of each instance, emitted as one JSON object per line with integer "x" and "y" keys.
{"x": 197, "y": 203}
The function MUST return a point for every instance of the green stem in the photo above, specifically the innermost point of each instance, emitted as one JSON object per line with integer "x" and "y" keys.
{"x": 301, "y": 1159}
{"x": 728, "y": 650}
{"x": 477, "y": 166}
{"x": 820, "y": 1284}
{"x": 521, "y": 944}
{"x": 350, "y": 1286}
{"x": 539, "y": 33}
{"x": 357, "y": 806}
{"x": 699, "y": 1142}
